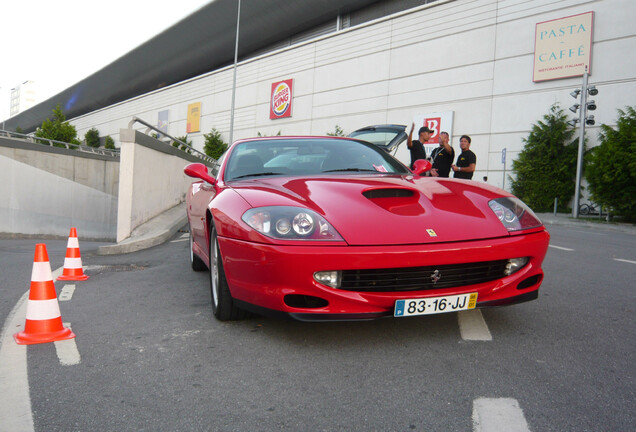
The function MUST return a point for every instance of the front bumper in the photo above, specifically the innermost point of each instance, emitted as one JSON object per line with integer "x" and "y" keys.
{"x": 260, "y": 275}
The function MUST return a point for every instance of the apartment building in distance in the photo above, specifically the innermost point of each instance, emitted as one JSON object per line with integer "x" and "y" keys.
{"x": 23, "y": 97}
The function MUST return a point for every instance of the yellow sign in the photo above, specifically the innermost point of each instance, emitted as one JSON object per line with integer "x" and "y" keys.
{"x": 563, "y": 47}
{"x": 194, "y": 118}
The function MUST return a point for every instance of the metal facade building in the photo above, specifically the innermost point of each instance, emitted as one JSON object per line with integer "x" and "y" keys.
{"x": 203, "y": 42}
{"x": 472, "y": 59}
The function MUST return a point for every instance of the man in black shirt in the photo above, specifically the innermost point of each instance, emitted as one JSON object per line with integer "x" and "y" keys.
{"x": 442, "y": 157}
{"x": 466, "y": 161}
{"x": 417, "y": 147}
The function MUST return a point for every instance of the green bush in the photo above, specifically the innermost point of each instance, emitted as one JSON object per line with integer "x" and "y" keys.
{"x": 57, "y": 129}
{"x": 611, "y": 170}
{"x": 109, "y": 143}
{"x": 338, "y": 132}
{"x": 92, "y": 137}
{"x": 214, "y": 145}
{"x": 186, "y": 147}
{"x": 546, "y": 167}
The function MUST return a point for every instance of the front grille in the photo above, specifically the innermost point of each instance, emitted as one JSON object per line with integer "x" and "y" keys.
{"x": 422, "y": 278}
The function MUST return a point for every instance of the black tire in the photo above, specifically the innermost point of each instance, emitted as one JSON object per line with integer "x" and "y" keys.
{"x": 197, "y": 263}
{"x": 222, "y": 301}
{"x": 584, "y": 209}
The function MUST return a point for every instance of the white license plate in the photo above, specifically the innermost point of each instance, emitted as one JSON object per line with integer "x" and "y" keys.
{"x": 434, "y": 305}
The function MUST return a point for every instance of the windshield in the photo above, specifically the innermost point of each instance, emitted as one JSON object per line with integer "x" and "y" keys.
{"x": 308, "y": 156}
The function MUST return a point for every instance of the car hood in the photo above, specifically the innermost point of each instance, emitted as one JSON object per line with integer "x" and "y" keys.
{"x": 386, "y": 210}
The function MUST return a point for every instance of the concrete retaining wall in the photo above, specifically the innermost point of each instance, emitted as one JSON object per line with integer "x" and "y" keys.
{"x": 47, "y": 190}
{"x": 151, "y": 181}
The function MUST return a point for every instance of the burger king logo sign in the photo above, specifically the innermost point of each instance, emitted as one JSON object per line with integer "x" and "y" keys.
{"x": 280, "y": 104}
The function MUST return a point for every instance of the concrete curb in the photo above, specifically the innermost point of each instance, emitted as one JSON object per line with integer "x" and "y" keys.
{"x": 152, "y": 233}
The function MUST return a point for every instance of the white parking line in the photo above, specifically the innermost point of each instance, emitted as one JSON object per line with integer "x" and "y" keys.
{"x": 67, "y": 351}
{"x": 624, "y": 260}
{"x": 57, "y": 273}
{"x": 561, "y": 248}
{"x": 498, "y": 414}
{"x": 184, "y": 237}
{"x": 472, "y": 326}
{"x": 67, "y": 292}
{"x": 15, "y": 401}
{"x": 179, "y": 240}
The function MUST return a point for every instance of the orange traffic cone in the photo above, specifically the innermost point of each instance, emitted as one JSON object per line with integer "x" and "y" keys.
{"x": 73, "y": 262}
{"x": 43, "y": 317}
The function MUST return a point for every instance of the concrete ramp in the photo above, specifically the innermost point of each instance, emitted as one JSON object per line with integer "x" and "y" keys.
{"x": 46, "y": 191}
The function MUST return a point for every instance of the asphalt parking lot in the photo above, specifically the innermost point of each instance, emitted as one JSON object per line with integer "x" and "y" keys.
{"x": 151, "y": 357}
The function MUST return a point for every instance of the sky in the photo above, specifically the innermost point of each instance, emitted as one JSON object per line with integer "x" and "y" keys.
{"x": 57, "y": 44}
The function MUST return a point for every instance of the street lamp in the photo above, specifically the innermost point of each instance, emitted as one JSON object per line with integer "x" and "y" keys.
{"x": 236, "y": 45}
{"x": 2, "y": 110}
{"x": 583, "y": 120}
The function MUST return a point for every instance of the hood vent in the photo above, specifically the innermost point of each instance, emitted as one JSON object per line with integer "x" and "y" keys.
{"x": 399, "y": 201}
{"x": 388, "y": 193}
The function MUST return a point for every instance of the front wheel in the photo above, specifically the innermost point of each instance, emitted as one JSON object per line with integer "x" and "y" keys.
{"x": 584, "y": 209}
{"x": 222, "y": 301}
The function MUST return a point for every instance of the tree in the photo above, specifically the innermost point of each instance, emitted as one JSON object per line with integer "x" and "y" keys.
{"x": 58, "y": 129}
{"x": 186, "y": 147}
{"x": 611, "y": 170}
{"x": 214, "y": 145}
{"x": 92, "y": 137}
{"x": 338, "y": 132}
{"x": 546, "y": 167}
{"x": 109, "y": 143}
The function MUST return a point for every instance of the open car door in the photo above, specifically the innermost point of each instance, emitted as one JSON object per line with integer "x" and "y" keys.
{"x": 387, "y": 137}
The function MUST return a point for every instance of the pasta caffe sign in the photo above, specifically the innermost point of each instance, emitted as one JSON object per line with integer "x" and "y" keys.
{"x": 563, "y": 47}
{"x": 281, "y": 99}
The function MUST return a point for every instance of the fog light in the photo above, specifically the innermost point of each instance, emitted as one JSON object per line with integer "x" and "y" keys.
{"x": 514, "y": 265}
{"x": 329, "y": 278}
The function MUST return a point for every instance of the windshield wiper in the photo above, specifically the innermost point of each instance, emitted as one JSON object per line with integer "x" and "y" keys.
{"x": 351, "y": 169}
{"x": 257, "y": 175}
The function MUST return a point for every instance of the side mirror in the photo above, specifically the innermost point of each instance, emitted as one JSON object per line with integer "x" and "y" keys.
{"x": 200, "y": 171}
{"x": 421, "y": 166}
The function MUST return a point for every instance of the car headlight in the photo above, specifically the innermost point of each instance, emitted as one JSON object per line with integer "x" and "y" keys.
{"x": 514, "y": 214}
{"x": 290, "y": 223}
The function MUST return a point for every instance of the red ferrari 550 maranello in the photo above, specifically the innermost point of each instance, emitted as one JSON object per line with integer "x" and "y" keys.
{"x": 328, "y": 228}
